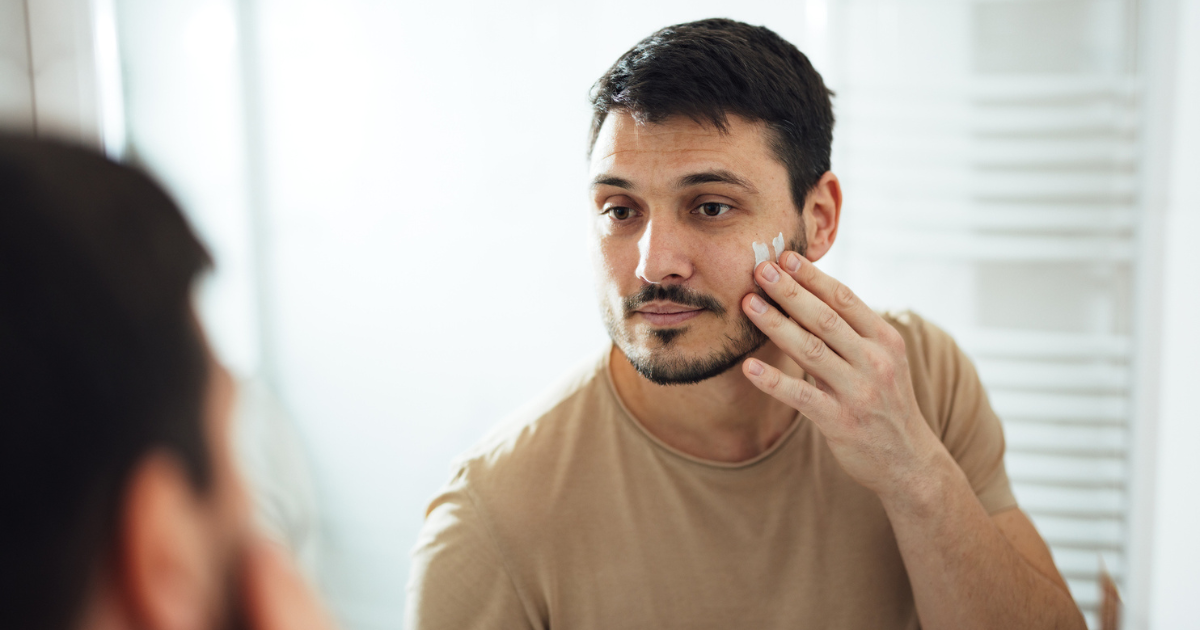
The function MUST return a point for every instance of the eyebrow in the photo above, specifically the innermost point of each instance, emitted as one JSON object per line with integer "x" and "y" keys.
{"x": 687, "y": 181}
{"x": 715, "y": 177}
{"x": 610, "y": 180}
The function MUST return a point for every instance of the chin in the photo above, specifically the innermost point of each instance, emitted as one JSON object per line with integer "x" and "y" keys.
{"x": 673, "y": 363}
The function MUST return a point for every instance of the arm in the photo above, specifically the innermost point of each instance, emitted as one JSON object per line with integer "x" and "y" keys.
{"x": 458, "y": 578}
{"x": 967, "y": 570}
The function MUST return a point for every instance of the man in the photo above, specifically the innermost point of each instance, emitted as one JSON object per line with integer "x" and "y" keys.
{"x": 757, "y": 449}
{"x": 122, "y": 507}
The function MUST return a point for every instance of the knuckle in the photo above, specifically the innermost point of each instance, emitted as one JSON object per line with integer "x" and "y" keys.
{"x": 879, "y": 362}
{"x": 886, "y": 370}
{"x": 844, "y": 296}
{"x": 828, "y": 321}
{"x": 791, "y": 291}
{"x": 814, "y": 348}
{"x": 803, "y": 395}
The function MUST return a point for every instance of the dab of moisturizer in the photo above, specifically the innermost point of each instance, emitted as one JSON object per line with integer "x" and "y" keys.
{"x": 762, "y": 252}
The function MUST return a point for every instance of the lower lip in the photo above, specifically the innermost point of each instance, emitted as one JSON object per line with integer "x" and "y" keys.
{"x": 668, "y": 319}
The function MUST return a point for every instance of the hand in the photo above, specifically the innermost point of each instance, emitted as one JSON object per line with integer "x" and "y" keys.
{"x": 863, "y": 401}
{"x": 276, "y": 595}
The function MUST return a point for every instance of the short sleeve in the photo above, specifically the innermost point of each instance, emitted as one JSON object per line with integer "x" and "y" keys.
{"x": 458, "y": 579}
{"x": 955, "y": 403}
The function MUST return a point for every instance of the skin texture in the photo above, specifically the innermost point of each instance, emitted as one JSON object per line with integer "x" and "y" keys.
{"x": 968, "y": 569}
{"x": 189, "y": 561}
{"x": 663, "y": 239}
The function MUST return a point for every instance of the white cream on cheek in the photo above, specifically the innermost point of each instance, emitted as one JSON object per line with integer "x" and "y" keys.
{"x": 762, "y": 252}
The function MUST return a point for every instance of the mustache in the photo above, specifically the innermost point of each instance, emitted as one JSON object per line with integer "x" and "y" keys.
{"x": 671, "y": 293}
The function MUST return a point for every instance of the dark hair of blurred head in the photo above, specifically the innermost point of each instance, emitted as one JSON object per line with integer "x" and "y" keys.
{"x": 101, "y": 361}
{"x": 709, "y": 69}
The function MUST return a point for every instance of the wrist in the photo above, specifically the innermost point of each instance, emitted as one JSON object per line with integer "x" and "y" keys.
{"x": 922, "y": 489}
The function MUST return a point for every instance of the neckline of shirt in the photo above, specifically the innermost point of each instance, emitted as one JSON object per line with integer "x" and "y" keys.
{"x": 783, "y": 439}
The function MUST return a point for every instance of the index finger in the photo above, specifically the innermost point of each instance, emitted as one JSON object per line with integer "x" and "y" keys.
{"x": 838, "y": 296}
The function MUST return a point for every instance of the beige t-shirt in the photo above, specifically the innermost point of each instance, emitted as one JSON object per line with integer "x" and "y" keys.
{"x": 573, "y": 516}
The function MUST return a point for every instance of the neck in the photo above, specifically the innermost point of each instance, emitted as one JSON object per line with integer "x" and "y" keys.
{"x": 725, "y": 418}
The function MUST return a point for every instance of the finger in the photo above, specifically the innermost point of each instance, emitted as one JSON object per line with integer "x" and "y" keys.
{"x": 796, "y": 393}
{"x": 276, "y": 595}
{"x": 810, "y": 312}
{"x": 853, "y": 310}
{"x": 805, "y": 348}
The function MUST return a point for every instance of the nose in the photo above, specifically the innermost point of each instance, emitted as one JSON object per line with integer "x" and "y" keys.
{"x": 662, "y": 253}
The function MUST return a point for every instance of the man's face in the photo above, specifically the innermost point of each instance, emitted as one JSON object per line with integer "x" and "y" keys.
{"x": 677, "y": 205}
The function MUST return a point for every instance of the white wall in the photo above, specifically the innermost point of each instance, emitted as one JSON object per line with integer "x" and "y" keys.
{"x": 1175, "y": 578}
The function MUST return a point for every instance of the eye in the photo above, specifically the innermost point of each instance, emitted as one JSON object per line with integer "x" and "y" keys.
{"x": 714, "y": 209}
{"x": 620, "y": 213}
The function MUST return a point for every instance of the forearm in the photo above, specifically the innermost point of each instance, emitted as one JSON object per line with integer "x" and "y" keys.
{"x": 964, "y": 573}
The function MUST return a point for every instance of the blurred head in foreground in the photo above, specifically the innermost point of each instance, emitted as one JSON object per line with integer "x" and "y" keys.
{"x": 122, "y": 505}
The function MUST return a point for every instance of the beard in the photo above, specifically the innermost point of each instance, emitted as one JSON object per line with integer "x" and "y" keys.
{"x": 661, "y": 364}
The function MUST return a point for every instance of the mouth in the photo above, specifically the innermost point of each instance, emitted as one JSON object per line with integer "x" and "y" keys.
{"x": 667, "y": 313}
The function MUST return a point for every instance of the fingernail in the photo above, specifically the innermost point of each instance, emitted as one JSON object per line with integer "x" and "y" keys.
{"x": 758, "y": 305}
{"x": 769, "y": 274}
{"x": 792, "y": 262}
{"x": 754, "y": 367}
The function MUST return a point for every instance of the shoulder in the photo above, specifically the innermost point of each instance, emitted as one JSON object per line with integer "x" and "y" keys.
{"x": 934, "y": 357}
{"x": 544, "y": 422}
{"x": 922, "y": 338}
{"x": 545, "y": 439}
{"x": 504, "y": 491}
{"x": 955, "y": 404}
{"x": 943, "y": 377}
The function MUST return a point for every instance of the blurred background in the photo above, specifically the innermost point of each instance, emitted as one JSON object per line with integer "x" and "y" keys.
{"x": 395, "y": 193}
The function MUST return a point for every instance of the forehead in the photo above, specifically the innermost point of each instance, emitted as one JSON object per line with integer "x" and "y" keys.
{"x": 630, "y": 147}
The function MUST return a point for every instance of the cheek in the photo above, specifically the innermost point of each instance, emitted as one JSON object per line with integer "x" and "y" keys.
{"x": 615, "y": 260}
{"x": 728, "y": 268}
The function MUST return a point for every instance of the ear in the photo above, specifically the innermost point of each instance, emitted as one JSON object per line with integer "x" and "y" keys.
{"x": 822, "y": 212}
{"x": 163, "y": 564}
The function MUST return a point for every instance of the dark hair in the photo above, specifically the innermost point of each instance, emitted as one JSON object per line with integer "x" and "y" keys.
{"x": 101, "y": 361}
{"x": 711, "y": 68}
